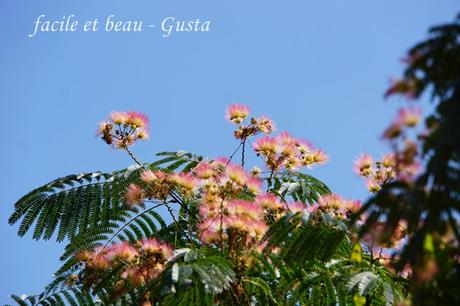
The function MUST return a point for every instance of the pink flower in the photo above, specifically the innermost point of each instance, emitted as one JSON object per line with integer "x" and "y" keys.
{"x": 330, "y": 200}
{"x": 237, "y": 222}
{"x": 372, "y": 185}
{"x": 297, "y": 206}
{"x": 220, "y": 162}
{"x": 304, "y": 146}
{"x": 265, "y": 125}
{"x": 320, "y": 157}
{"x": 148, "y": 176}
{"x": 285, "y": 139}
{"x": 135, "y": 195}
{"x": 409, "y": 117}
{"x": 142, "y": 134}
{"x": 258, "y": 229}
{"x": 253, "y": 184}
{"x": 211, "y": 230}
{"x": 266, "y": 146}
{"x": 237, "y": 174}
{"x": 389, "y": 160}
{"x": 118, "y": 117}
{"x": 363, "y": 164}
{"x": 242, "y": 207}
{"x": 152, "y": 246}
{"x": 124, "y": 251}
{"x": 237, "y": 113}
{"x": 269, "y": 201}
{"x": 137, "y": 120}
{"x": 185, "y": 181}
{"x": 204, "y": 170}
{"x": 133, "y": 275}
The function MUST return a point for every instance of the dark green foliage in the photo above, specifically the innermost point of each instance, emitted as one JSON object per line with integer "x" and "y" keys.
{"x": 431, "y": 204}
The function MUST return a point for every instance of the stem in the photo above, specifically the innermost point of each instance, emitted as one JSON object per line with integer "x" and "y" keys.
{"x": 234, "y": 152}
{"x": 269, "y": 183}
{"x": 221, "y": 229}
{"x": 131, "y": 154}
{"x": 174, "y": 220}
{"x": 243, "y": 143}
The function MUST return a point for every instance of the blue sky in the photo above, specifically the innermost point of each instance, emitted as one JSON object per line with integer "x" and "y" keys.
{"x": 318, "y": 68}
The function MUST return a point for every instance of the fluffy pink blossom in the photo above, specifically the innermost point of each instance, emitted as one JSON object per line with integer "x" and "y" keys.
{"x": 134, "y": 276}
{"x": 241, "y": 207}
{"x": 123, "y": 251}
{"x": 148, "y": 176}
{"x": 389, "y": 160}
{"x": 118, "y": 117}
{"x": 320, "y": 157}
{"x": 265, "y": 125}
{"x": 254, "y": 184}
{"x": 285, "y": 139}
{"x": 152, "y": 246}
{"x": 409, "y": 117}
{"x": 186, "y": 182}
{"x": 204, "y": 170}
{"x": 137, "y": 120}
{"x": 363, "y": 164}
{"x": 269, "y": 201}
{"x": 297, "y": 206}
{"x": 237, "y": 174}
{"x": 304, "y": 146}
{"x": 135, "y": 195}
{"x": 237, "y": 113}
{"x": 266, "y": 146}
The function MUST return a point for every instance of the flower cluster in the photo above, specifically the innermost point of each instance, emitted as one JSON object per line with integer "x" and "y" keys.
{"x": 378, "y": 173}
{"x": 137, "y": 263}
{"x": 237, "y": 114}
{"x": 159, "y": 185}
{"x": 122, "y": 129}
{"x": 403, "y": 163}
{"x": 406, "y": 118}
{"x": 220, "y": 210}
{"x": 336, "y": 206}
{"x": 285, "y": 151}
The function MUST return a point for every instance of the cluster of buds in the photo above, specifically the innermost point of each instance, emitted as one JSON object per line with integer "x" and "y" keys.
{"x": 285, "y": 151}
{"x": 237, "y": 114}
{"x": 137, "y": 263}
{"x": 376, "y": 174}
{"x": 122, "y": 129}
{"x": 159, "y": 185}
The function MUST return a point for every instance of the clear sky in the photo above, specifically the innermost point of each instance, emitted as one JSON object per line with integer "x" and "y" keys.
{"x": 318, "y": 68}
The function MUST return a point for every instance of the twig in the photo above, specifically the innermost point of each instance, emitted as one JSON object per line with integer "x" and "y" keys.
{"x": 234, "y": 152}
{"x": 131, "y": 154}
